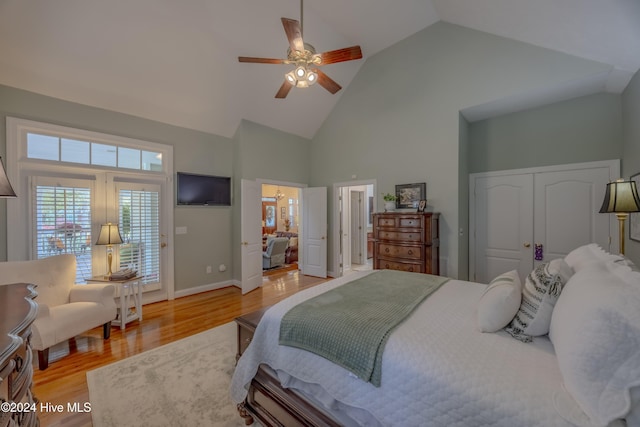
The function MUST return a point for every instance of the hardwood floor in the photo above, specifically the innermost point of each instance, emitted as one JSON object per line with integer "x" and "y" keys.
{"x": 163, "y": 322}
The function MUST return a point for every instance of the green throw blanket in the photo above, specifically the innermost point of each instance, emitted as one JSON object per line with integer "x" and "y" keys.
{"x": 349, "y": 325}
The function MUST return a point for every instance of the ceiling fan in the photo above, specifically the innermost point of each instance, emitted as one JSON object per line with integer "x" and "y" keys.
{"x": 306, "y": 60}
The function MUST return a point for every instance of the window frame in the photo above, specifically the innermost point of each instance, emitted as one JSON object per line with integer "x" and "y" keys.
{"x": 20, "y": 169}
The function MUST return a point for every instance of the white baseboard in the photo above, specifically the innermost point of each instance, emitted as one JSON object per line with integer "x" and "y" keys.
{"x": 204, "y": 288}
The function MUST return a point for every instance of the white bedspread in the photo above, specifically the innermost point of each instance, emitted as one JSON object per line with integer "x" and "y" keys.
{"x": 437, "y": 369}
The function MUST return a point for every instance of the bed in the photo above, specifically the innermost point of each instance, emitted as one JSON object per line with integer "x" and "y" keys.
{"x": 438, "y": 369}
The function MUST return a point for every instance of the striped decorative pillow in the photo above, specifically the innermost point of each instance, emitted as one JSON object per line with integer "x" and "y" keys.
{"x": 541, "y": 290}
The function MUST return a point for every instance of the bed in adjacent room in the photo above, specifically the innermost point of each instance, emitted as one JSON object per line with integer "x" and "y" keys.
{"x": 438, "y": 369}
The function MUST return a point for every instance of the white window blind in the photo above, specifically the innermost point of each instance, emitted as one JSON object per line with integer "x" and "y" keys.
{"x": 62, "y": 224}
{"x": 139, "y": 218}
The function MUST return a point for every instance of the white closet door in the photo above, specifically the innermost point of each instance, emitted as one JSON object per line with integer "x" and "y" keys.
{"x": 556, "y": 207}
{"x": 503, "y": 223}
{"x": 566, "y": 211}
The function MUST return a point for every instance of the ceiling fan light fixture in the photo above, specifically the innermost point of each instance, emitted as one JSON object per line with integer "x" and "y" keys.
{"x": 301, "y": 72}
{"x": 312, "y": 77}
{"x": 291, "y": 78}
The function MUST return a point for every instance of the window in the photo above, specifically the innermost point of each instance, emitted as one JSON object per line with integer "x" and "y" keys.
{"x": 59, "y": 149}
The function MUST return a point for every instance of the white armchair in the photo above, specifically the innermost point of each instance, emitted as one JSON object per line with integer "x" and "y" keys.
{"x": 64, "y": 308}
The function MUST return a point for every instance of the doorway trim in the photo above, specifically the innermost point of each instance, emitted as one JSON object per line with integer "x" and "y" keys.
{"x": 335, "y": 216}
{"x": 299, "y": 186}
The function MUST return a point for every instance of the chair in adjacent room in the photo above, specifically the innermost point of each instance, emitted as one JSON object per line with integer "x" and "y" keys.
{"x": 274, "y": 255}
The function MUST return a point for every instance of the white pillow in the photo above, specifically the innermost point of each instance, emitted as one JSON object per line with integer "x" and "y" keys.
{"x": 541, "y": 290}
{"x": 499, "y": 302}
{"x": 595, "y": 330}
{"x": 293, "y": 242}
{"x": 587, "y": 255}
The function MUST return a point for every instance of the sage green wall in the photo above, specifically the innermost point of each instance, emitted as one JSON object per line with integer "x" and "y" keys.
{"x": 631, "y": 148}
{"x": 398, "y": 121}
{"x": 209, "y": 237}
{"x": 261, "y": 152}
{"x": 583, "y": 129}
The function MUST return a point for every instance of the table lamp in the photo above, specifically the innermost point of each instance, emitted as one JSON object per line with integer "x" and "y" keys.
{"x": 6, "y": 190}
{"x": 621, "y": 198}
{"x": 109, "y": 236}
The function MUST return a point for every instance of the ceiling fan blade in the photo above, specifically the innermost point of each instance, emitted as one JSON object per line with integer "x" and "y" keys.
{"x": 260, "y": 60}
{"x": 327, "y": 82}
{"x": 341, "y": 55}
{"x": 294, "y": 34}
{"x": 284, "y": 90}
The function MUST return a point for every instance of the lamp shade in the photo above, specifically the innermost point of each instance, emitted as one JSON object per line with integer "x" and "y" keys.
{"x": 5, "y": 186}
{"x": 621, "y": 196}
{"x": 109, "y": 235}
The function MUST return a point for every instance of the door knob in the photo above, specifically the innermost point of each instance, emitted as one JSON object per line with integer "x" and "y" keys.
{"x": 527, "y": 244}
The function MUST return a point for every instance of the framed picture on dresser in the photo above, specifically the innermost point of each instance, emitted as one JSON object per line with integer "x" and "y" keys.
{"x": 409, "y": 195}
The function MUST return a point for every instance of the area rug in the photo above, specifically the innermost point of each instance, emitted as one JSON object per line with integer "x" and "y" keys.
{"x": 184, "y": 383}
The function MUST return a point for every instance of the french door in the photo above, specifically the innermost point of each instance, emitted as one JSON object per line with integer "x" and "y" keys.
{"x": 65, "y": 220}
{"x": 62, "y": 220}
{"x": 139, "y": 218}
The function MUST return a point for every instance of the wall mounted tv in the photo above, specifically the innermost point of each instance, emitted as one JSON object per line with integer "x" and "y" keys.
{"x": 203, "y": 190}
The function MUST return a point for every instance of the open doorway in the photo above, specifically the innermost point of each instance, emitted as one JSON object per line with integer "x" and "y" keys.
{"x": 354, "y": 209}
{"x": 280, "y": 228}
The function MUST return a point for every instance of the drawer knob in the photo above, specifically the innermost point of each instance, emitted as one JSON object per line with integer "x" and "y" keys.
{"x": 386, "y": 250}
{"x": 386, "y": 266}
{"x": 411, "y": 269}
{"x": 410, "y": 252}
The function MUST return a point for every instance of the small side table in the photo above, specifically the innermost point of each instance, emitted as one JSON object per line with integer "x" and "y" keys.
{"x": 128, "y": 290}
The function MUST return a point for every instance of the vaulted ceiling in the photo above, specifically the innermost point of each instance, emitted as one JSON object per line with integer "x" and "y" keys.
{"x": 176, "y": 61}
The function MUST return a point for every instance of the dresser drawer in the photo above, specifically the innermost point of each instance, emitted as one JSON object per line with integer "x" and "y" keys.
{"x": 386, "y": 221}
{"x": 410, "y": 222}
{"x": 400, "y": 236}
{"x": 22, "y": 378}
{"x": 413, "y": 267}
{"x": 409, "y": 252}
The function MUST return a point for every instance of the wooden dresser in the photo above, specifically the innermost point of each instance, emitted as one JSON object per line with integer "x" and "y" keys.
{"x": 17, "y": 312}
{"x": 407, "y": 241}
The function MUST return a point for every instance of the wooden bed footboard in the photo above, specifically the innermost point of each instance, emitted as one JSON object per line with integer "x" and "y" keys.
{"x": 273, "y": 405}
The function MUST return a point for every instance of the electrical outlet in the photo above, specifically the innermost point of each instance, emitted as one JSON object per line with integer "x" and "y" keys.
{"x": 208, "y": 269}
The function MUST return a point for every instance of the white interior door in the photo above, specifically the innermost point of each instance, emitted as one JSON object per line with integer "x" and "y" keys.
{"x": 567, "y": 205}
{"x": 552, "y": 208}
{"x": 503, "y": 221}
{"x": 358, "y": 244}
{"x": 250, "y": 235}
{"x": 314, "y": 231}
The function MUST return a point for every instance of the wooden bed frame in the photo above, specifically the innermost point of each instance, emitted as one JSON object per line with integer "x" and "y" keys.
{"x": 274, "y": 405}
{"x": 267, "y": 400}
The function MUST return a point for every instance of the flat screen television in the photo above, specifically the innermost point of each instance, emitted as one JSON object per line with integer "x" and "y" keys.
{"x": 203, "y": 190}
